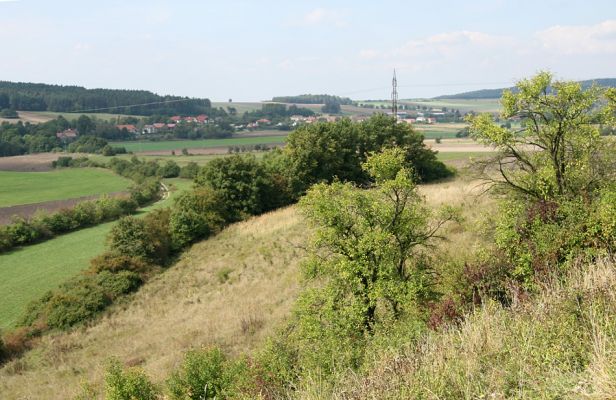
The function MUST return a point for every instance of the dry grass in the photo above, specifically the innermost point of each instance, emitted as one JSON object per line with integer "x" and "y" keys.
{"x": 230, "y": 291}
{"x": 561, "y": 345}
{"x": 185, "y": 307}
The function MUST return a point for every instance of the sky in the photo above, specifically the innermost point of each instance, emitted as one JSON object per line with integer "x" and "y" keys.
{"x": 253, "y": 50}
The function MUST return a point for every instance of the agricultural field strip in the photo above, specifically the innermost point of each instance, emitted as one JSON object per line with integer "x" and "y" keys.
{"x": 29, "y": 272}
{"x": 35, "y": 187}
{"x": 193, "y": 144}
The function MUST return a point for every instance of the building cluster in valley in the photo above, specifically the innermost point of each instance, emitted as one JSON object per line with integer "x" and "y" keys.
{"x": 295, "y": 121}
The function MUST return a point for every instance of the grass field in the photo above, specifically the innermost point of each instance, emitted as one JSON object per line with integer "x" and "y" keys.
{"x": 36, "y": 117}
{"x": 35, "y": 187}
{"x": 464, "y": 105}
{"x": 198, "y": 144}
{"x": 29, "y": 272}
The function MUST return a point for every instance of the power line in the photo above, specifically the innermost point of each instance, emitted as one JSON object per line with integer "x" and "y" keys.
{"x": 133, "y": 105}
{"x": 427, "y": 85}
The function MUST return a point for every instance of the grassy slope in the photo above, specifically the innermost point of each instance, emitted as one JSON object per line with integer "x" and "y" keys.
{"x": 29, "y": 272}
{"x": 245, "y": 276}
{"x": 561, "y": 345}
{"x": 198, "y": 144}
{"x": 190, "y": 305}
{"x": 34, "y": 187}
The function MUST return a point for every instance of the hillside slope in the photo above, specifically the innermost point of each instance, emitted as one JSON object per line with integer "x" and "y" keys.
{"x": 560, "y": 345}
{"x": 231, "y": 291}
{"x": 498, "y": 93}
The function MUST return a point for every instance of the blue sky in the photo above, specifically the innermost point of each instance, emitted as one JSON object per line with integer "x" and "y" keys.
{"x": 255, "y": 50}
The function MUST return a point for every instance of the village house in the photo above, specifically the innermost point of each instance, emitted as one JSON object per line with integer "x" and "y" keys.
{"x": 130, "y": 128}
{"x": 67, "y": 134}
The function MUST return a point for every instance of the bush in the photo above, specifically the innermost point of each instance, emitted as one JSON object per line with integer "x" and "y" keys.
{"x": 189, "y": 171}
{"x": 130, "y": 384}
{"x": 206, "y": 374}
{"x": 80, "y": 299}
{"x": 169, "y": 170}
{"x": 77, "y": 303}
{"x": 115, "y": 262}
{"x": 145, "y": 192}
{"x": 196, "y": 215}
{"x": 130, "y": 237}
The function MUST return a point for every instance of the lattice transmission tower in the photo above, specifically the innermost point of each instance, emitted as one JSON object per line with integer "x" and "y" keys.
{"x": 394, "y": 96}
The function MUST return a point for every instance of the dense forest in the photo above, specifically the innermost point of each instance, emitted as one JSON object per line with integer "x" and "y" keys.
{"x": 497, "y": 93}
{"x": 313, "y": 99}
{"x": 42, "y": 97}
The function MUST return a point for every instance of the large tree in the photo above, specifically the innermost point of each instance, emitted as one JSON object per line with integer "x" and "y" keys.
{"x": 557, "y": 149}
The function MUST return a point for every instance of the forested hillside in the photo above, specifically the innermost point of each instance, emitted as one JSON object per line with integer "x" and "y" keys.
{"x": 42, "y": 97}
{"x": 497, "y": 93}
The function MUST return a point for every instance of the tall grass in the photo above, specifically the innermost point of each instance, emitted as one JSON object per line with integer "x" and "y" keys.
{"x": 560, "y": 345}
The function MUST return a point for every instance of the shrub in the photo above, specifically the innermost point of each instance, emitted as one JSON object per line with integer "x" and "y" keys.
{"x": 195, "y": 215}
{"x": 22, "y": 231}
{"x": 145, "y": 192}
{"x": 206, "y": 374}
{"x": 78, "y": 302}
{"x": 115, "y": 285}
{"x": 115, "y": 262}
{"x": 129, "y": 236}
{"x": 190, "y": 170}
{"x": 80, "y": 299}
{"x": 130, "y": 384}
{"x": 169, "y": 170}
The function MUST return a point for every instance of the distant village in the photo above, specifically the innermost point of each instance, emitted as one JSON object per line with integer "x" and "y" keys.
{"x": 263, "y": 123}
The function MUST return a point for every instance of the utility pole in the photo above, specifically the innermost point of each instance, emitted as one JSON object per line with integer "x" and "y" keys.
{"x": 394, "y": 97}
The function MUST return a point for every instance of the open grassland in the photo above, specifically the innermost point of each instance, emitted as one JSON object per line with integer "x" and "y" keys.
{"x": 36, "y": 117}
{"x": 29, "y": 272}
{"x": 240, "y": 106}
{"x": 35, "y": 187}
{"x": 232, "y": 291}
{"x": 444, "y": 130}
{"x": 177, "y": 145}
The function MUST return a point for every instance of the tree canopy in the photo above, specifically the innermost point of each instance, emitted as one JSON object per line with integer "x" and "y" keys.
{"x": 558, "y": 150}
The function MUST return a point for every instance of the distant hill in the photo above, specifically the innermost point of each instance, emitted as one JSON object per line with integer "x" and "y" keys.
{"x": 313, "y": 99}
{"x": 43, "y": 97}
{"x": 497, "y": 93}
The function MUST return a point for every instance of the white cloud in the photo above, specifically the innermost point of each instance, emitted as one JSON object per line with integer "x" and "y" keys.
{"x": 322, "y": 16}
{"x": 448, "y": 44}
{"x": 369, "y": 54}
{"x": 580, "y": 39}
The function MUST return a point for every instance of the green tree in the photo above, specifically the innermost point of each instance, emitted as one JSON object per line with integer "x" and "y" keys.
{"x": 85, "y": 125}
{"x": 331, "y": 107}
{"x": 196, "y": 215}
{"x": 367, "y": 259}
{"x": 242, "y": 182}
{"x": 558, "y": 150}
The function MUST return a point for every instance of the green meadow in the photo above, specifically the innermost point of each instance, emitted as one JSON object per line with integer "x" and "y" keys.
{"x": 35, "y": 187}
{"x": 199, "y": 144}
{"x": 29, "y": 272}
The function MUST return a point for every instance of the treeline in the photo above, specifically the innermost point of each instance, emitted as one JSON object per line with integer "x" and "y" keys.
{"x": 314, "y": 99}
{"x": 276, "y": 113}
{"x": 20, "y": 138}
{"x": 226, "y": 190}
{"x": 42, "y": 97}
{"x": 497, "y": 93}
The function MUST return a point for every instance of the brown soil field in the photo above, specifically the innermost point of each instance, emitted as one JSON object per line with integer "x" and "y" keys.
{"x": 28, "y": 210}
{"x": 29, "y": 162}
